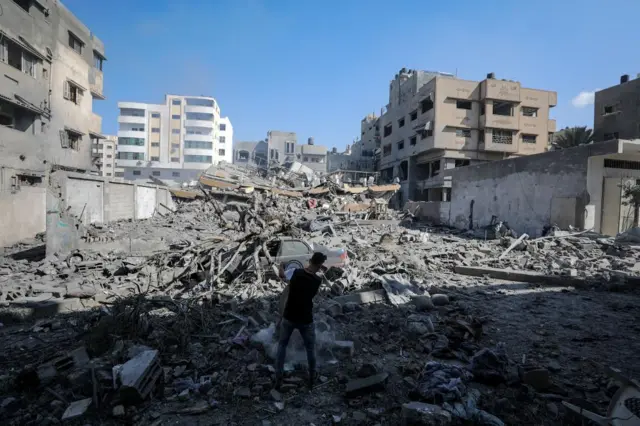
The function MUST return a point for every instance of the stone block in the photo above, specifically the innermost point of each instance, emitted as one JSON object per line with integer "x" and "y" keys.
{"x": 139, "y": 375}
{"x": 343, "y": 348}
{"x": 375, "y": 383}
{"x": 76, "y": 409}
{"x": 363, "y": 298}
{"x": 421, "y": 414}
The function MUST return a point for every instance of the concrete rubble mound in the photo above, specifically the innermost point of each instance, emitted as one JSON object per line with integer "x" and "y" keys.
{"x": 171, "y": 320}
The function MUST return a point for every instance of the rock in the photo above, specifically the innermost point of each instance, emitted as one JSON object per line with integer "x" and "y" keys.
{"x": 243, "y": 392}
{"x": 423, "y": 303}
{"x": 76, "y": 409}
{"x": 343, "y": 348}
{"x": 553, "y": 408}
{"x": 118, "y": 411}
{"x": 554, "y": 366}
{"x": 538, "y": 378}
{"x": 184, "y": 395}
{"x": 421, "y": 414}
{"x": 440, "y": 299}
{"x": 9, "y": 405}
{"x": 359, "y": 416}
{"x": 275, "y": 395}
{"x": 334, "y": 310}
{"x": 367, "y": 385}
{"x": 419, "y": 328}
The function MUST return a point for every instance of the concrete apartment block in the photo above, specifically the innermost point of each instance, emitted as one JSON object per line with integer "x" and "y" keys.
{"x": 51, "y": 67}
{"x": 174, "y": 141}
{"x": 616, "y": 112}
{"x": 280, "y": 148}
{"x": 435, "y": 121}
{"x": 103, "y": 152}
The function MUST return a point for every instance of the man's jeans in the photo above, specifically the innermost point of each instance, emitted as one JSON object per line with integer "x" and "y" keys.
{"x": 308, "y": 333}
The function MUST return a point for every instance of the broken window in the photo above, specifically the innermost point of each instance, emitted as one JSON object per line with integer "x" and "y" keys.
{"x": 463, "y": 105}
{"x": 462, "y": 163}
{"x": 463, "y": 133}
{"x": 401, "y": 145}
{"x": 387, "y": 130}
{"x": 97, "y": 60}
{"x": 14, "y": 55}
{"x": 386, "y": 150}
{"x": 413, "y": 140}
{"x": 483, "y": 108}
{"x": 15, "y": 117}
{"x": 529, "y": 112}
{"x": 502, "y": 136}
{"x": 427, "y": 133}
{"x": 72, "y": 92}
{"x": 529, "y": 138}
{"x": 401, "y": 122}
{"x": 404, "y": 170}
{"x": 503, "y": 108}
{"x": 414, "y": 115}
{"x": 75, "y": 43}
{"x": 426, "y": 104}
{"x": 70, "y": 139}
{"x": 435, "y": 168}
{"x": 609, "y": 109}
{"x": 243, "y": 155}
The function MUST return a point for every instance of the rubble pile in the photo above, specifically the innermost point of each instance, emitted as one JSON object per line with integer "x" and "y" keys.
{"x": 174, "y": 317}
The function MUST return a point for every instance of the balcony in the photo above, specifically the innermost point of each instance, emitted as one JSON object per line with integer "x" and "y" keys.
{"x": 200, "y": 138}
{"x": 95, "y": 124}
{"x": 200, "y": 108}
{"x": 96, "y": 83}
{"x": 132, "y": 134}
{"x": 499, "y": 121}
{"x": 197, "y": 151}
{"x": 199, "y": 123}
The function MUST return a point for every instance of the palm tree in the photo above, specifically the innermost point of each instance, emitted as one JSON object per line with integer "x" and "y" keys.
{"x": 573, "y": 136}
{"x": 632, "y": 194}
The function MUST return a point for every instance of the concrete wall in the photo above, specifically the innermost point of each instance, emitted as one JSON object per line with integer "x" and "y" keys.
{"x": 436, "y": 212}
{"x": 527, "y": 192}
{"x": 23, "y": 214}
{"x": 625, "y": 118}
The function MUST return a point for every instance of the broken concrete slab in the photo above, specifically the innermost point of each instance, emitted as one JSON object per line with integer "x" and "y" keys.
{"x": 375, "y": 383}
{"x": 343, "y": 348}
{"x": 139, "y": 375}
{"x": 422, "y": 414}
{"x": 76, "y": 409}
{"x": 363, "y": 298}
{"x": 521, "y": 276}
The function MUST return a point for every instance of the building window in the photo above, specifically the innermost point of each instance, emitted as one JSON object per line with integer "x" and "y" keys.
{"x": 388, "y": 129}
{"x": 289, "y": 147}
{"x": 75, "y": 43}
{"x": 200, "y": 102}
{"x": 413, "y": 140}
{"x": 175, "y": 174}
{"x": 274, "y": 154}
{"x": 155, "y": 144}
{"x": 610, "y": 136}
{"x": 119, "y": 174}
{"x": 175, "y": 159}
{"x": 529, "y": 138}
{"x": 17, "y": 57}
{"x": 199, "y": 116}
{"x": 137, "y": 172}
{"x": 155, "y": 173}
{"x": 223, "y": 139}
{"x": 131, "y": 141}
{"x": 129, "y": 112}
{"x": 223, "y": 127}
{"x": 463, "y": 105}
{"x": 198, "y": 159}
{"x": 12, "y": 116}
{"x": 109, "y": 156}
{"x": 462, "y": 163}
{"x": 175, "y": 131}
{"x": 70, "y": 139}
{"x": 400, "y": 145}
{"x": 502, "y": 136}
{"x": 130, "y": 156}
{"x": 386, "y": 150}
{"x": 175, "y": 116}
{"x": 155, "y": 130}
{"x": 426, "y": 104}
{"x": 175, "y": 146}
{"x": 108, "y": 165}
{"x": 136, "y": 129}
{"x": 463, "y": 133}
{"x": 109, "y": 174}
{"x": 155, "y": 115}
{"x": 503, "y": 108}
{"x": 427, "y": 133}
{"x": 72, "y": 93}
{"x": 24, "y": 4}
{"x": 529, "y": 112}
{"x": 198, "y": 145}
{"x": 221, "y": 152}
{"x": 97, "y": 60}
{"x": 176, "y": 102}
{"x": 155, "y": 158}
{"x": 401, "y": 122}
{"x": 414, "y": 115}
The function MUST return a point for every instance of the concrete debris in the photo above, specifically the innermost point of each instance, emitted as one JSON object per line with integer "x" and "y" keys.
{"x": 176, "y": 315}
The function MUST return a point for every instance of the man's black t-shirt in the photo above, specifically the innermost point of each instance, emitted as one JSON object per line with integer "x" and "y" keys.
{"x": 303, "y": 286}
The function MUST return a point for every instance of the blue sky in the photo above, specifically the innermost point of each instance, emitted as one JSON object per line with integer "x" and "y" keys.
{"x": 318, "y": 67}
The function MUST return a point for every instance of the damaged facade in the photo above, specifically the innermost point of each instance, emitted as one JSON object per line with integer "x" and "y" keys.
{"x": 435, "y": 122}
{"x": 616, "y": 112}
{"x": 52, "y": 69}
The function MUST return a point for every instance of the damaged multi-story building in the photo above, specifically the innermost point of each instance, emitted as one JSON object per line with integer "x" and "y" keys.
{"x": 616, "y": 112}
{"x": 435, "y": 121}
{"x": 280, "y": 148}
{"x": 52, "y": 71}
{"x": 173, "y": 141}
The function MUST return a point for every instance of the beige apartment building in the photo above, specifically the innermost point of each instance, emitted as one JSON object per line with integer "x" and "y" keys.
{"x": 435, "y": 121}
{"x": 103, "y": 155}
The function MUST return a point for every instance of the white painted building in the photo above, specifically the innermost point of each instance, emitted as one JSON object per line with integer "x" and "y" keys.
{"x": 174, "y": 141}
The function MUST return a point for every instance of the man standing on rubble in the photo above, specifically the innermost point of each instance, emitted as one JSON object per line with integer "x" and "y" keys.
{"x": 298, "y": 314}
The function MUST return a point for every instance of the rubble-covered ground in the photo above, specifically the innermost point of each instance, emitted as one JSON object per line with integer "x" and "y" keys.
{"x": 398, "y": 325}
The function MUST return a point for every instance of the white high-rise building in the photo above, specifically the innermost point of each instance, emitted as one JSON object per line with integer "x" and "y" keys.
{"x": 174, "y": 141}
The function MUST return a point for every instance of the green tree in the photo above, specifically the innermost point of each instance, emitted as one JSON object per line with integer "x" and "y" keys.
{"x": 631, "y": 193}
{"x": 573, "y": 136}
